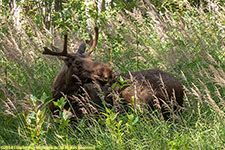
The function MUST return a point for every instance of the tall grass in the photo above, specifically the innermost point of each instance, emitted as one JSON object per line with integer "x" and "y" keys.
{"x": 189, "y": 45}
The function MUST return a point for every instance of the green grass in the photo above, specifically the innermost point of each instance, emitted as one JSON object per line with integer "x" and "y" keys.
{"x": 190, "y": 46}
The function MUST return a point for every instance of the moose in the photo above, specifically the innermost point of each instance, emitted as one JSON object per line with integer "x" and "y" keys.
{"x": 78, "y": 69}
{"x": 155, "y": 89}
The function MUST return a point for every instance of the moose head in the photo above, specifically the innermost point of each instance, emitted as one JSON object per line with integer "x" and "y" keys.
{"x": 80, "y": 64}
{"x": 79, "y": 69}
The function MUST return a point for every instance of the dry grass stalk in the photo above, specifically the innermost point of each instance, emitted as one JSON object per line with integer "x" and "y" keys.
{"x": 212, "y": 103}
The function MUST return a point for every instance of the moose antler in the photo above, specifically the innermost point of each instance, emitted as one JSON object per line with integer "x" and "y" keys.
{"x": 94, "y": 43}
{"x": 63, "y": 53}
{"x": 81, "y": 49}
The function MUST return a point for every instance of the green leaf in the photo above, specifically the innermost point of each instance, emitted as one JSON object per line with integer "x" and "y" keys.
{"x": 108, "y": 122}
{"x": 121, "y": 79}
{"x": 43, "y": 98}
{"x": 55, "y": 103}
{"x": 105, "y": 114}
{"x": 60, "y": 103}
{"x": 113, "y": 116}
{"x": 66, "y": 114}
{"x": 33, "y": 100}
{"x": 126, "y": 84}
{"x": 130, "y": 117}
{"x": 115, "y": 85}
{"x": 119, "y": 123}
{"x": 135, "y": 120}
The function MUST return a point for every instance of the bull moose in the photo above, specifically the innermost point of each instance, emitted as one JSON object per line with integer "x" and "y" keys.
{"x": 80, "y": 74}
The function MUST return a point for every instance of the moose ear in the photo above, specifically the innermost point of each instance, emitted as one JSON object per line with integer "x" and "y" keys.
{"x": 81, "y": 48}
{"x": 90, "y": 42}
